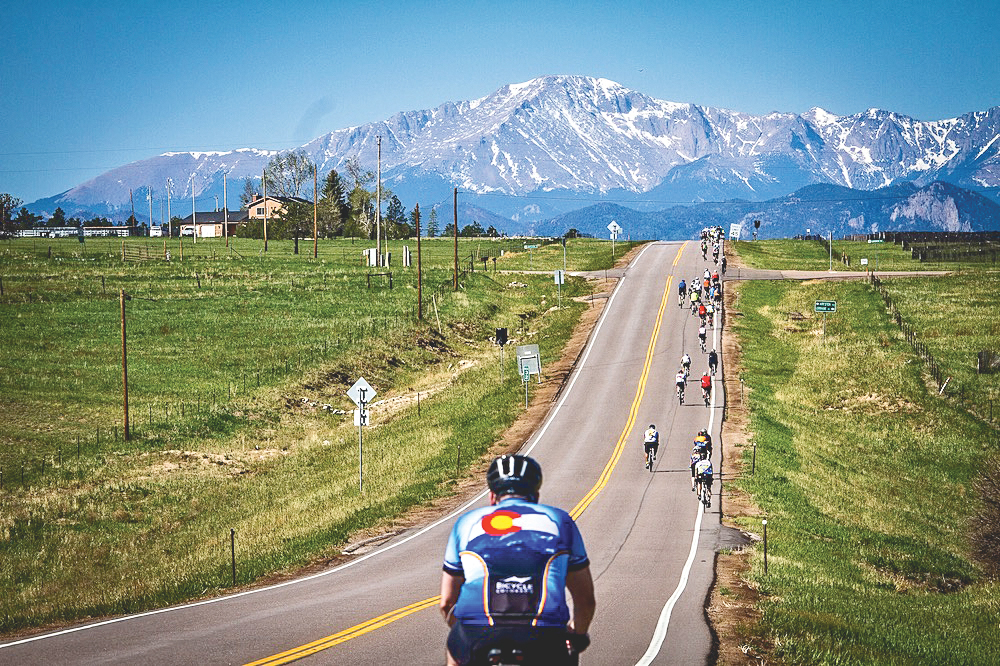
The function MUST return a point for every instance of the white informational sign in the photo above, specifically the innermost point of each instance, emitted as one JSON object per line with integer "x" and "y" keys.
{"x": 864, "y": 262}
{"x": 734, "y": 231}
{"x": 361, "y": 417}
{"x": 560, "y": 277}
{"x": 614, "y": 228}
{"x": 529, "y": 359}
{"x": 361, "y": 392}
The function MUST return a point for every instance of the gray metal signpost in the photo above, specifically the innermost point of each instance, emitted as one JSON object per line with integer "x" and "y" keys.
{"x": 361, "y": 393}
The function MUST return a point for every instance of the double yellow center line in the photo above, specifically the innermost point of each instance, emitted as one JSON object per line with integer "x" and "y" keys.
{"x": 375, "y": 623}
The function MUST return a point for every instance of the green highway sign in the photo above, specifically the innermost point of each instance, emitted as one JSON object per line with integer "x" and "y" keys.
{"x": 826, "y": 306}
{"x": 876, "y": 241}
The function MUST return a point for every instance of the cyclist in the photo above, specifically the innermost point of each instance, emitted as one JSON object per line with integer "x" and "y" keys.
{"x": 713, "y": 362}
{"x": 695, "y": 299}
{"x": 697, "y": 455}
{"x": 681, "y": 291}
{"x": 651, "y": 442}
{"x": 706, "y": 387}
{"x": 702, "y": 311}
{"x": 704, "y": 441}
{"x": 702, "y": 333}
{"x": 686, "y": 365}
{"x": 680, "y": 380}
{"x": 703, "y": 476}
{"x": 723, "y": 264}
{"x": 506, "y": 571}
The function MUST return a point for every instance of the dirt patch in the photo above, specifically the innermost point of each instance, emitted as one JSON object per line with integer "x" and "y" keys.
{"x": 733, "y": 608}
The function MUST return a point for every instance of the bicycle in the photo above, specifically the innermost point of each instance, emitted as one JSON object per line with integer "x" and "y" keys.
{"x": 701, "y": 343}
{"x": 707, "y": 395}
{"x": 705, "y": 492}
{"x": 680, "y": 394}
{"x": 650, "y": 457}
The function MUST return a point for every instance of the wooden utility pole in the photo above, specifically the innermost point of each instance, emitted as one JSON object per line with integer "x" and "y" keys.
{"x": 194, "y": 215}
{"x": 315, "y": 215}
{"x": 263, "y": 185}
{"x": 124, "y": 365}
{"x": 378, "y": 204}
{"x": 170, "y": 222}
{"x": 420, "y": 290}
{"x": 454, "y": 208}
{"x": 225, "y": 209}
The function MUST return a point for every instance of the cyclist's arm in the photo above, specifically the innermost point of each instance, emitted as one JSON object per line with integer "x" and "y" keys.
{"x": 451, "y": 585}
{"x": 581, "y": 587}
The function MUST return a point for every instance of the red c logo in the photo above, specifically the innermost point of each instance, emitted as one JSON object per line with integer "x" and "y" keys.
{"x": 500, "y": 522}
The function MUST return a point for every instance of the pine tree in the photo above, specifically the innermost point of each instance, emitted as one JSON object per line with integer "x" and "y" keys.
{"x": 432, "y": 223}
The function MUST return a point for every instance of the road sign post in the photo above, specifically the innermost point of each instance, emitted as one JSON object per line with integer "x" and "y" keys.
{"x": 559, "y": 276}
{"x": 824, "y": 307}
{"x": 615, "y": 229}
{"x": 361, "y": 393}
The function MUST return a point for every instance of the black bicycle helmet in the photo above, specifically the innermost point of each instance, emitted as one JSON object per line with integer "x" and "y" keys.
{"x": 515, "y": 475}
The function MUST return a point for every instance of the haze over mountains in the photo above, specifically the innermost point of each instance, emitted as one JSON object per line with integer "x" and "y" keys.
{"x": 534, "y": 151}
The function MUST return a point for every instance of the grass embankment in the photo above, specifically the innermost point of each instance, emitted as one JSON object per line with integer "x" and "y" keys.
{"x": 866, "y": 480}
{"x": 811, "y": 255}
{"x": 222, "y": 438}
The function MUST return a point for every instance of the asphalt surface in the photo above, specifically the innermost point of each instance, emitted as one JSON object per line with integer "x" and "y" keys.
{"x": 651, "y": 546}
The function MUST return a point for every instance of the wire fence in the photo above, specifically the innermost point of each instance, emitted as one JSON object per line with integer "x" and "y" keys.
{"x": 971, "y": 398}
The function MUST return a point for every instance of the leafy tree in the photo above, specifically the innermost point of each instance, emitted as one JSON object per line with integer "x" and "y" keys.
{"x": 492, "y": 232}
{"x": 334, "y": 213}
{"x": 472, "y": 230}
{"x": 286, "y": 173}
{"x": 361, "y": 200}
{"x": 8, "y": 203}
{"x": 449, "y": 230}
{"x": 573, "y": 233}
{"x": 432, "y": 223}
{"x": 292, "y": 222}
{"x": 248, "y": 194}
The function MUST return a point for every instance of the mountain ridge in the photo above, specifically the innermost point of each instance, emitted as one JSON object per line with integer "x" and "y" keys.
{"x": 536, "y": 149}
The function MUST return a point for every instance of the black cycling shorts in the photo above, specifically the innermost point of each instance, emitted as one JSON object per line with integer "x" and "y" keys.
{"x": 470, "y": 644}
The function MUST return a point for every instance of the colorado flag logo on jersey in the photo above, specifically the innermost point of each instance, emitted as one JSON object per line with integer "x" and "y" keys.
{"x": 506, "y": 521}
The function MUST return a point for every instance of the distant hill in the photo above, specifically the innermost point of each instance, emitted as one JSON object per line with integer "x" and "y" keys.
{"x": 817, "y": 208}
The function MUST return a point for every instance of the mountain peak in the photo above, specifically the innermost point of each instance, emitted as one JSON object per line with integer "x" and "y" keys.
{"x": 591, "y": 136}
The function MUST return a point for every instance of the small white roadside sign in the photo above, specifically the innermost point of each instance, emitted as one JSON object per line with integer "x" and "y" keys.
{"x": 361, "y": 392}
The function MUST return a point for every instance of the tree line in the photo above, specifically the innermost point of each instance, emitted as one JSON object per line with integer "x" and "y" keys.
{"x": 345, "y": 206}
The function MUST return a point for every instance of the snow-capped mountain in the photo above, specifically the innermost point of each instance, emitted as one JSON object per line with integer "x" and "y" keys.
{"x": 560, "y": 138}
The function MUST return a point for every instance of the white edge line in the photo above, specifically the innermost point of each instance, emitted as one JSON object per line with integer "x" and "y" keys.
{"x": 341, "y": 567}
{"x": 660, "y": 633}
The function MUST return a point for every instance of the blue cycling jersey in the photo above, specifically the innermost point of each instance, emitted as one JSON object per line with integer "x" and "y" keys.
{"x": 514, "y": 557}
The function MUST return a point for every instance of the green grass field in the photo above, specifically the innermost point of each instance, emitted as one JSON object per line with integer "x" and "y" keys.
{"x": 788, "y": 254}
{"x": 865, "y": 475}
{"x": 223, "y": 346}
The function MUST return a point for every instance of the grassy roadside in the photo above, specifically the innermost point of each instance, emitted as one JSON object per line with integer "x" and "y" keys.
{"x": 866, "y": 480}
{"x": 132, "y": 526}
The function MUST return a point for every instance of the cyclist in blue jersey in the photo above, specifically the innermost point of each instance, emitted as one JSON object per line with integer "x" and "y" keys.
{"x": 507, "y": 568}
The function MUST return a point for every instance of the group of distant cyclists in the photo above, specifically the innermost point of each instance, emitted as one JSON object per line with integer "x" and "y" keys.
{"x": 508, "y": 566}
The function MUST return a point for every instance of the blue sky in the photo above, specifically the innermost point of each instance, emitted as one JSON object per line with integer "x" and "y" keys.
{"x": 88, "y": 86}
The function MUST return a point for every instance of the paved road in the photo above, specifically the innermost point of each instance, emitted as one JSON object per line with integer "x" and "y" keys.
{"x": 651, "y": 547}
